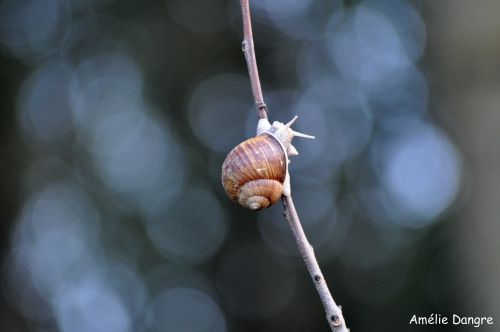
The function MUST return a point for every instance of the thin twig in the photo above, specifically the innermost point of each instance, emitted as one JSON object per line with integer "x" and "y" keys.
{"x": 333, "y": 311}
{"x": 249, "y": 51}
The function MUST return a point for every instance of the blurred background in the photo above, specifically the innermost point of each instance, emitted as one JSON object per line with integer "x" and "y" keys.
{"x": 118, "y": 114}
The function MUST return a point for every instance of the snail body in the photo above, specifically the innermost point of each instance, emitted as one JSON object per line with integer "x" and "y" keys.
{"x": 255, "y": 173}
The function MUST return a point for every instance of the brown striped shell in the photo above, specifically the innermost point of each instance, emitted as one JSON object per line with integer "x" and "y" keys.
{"x": 254, "y": 171}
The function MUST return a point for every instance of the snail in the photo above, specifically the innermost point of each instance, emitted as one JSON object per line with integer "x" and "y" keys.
{"x": 255, "y": 173}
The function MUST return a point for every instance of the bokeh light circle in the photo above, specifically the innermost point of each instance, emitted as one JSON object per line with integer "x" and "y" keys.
{"x": 91, "y": 306}
{"x": 217, "y": 109}
{"x": 367, "y": 47}
{"x": 44, "y": 105}
{"x": 31, "y": 29}
{"x": 185, "y": 310}
{"x": 189, "y": 233}
{"x": 422, "y": 173}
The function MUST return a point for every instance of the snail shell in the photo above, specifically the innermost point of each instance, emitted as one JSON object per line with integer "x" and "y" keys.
{"x": 254, "y": 171}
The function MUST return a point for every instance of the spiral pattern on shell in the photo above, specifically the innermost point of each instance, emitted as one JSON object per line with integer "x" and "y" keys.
{"x": 254, "y": 171}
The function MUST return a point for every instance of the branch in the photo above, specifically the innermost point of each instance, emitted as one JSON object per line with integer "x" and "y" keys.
{"x": 249, "y": 51}
{"x": 333, "y": 311}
